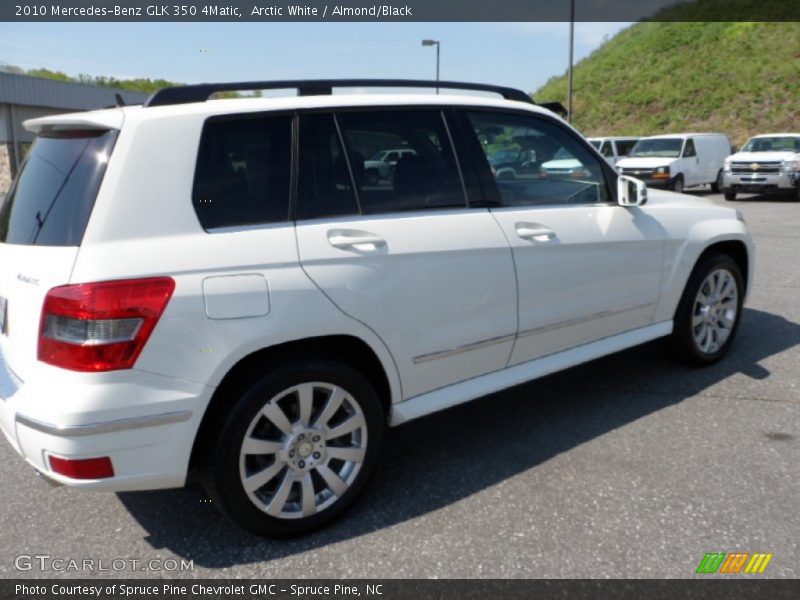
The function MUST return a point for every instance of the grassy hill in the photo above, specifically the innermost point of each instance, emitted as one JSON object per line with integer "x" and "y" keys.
{"x": 738, "y": 78}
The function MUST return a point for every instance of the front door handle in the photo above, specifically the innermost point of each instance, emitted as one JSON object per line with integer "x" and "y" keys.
{"x": 353, "y": 239}
{"x": 535, "y": 232}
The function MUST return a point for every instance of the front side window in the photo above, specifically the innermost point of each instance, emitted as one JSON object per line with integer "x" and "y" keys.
{"x": 689, "y": 148}
{"x": 243, "y": 172}
{"x": 419, "y": 171}
{"x": 607, "y": 150}
{"x": 536, "y": 162}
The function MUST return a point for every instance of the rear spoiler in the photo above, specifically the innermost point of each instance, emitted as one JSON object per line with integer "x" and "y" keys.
{"x": 96, "y": 119}
{"x": 555, "y": 107}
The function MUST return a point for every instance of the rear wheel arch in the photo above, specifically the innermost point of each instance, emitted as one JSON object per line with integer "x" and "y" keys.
{"x": 346, "y": 349}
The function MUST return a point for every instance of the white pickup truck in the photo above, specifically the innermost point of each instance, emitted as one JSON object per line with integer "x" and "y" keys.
{"x": 766, "y": 164}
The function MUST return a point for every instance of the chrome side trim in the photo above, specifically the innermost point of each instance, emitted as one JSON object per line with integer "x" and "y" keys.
{"x": 106, "y": 427}
{"x": 570, "y": 322}
{"x": 461, "y": 349}
{"x": 462, "y": 392}
{"x": 423, "y": 358}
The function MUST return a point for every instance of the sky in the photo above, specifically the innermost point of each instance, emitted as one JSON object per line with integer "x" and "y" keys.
{"x": 521, "y": 55}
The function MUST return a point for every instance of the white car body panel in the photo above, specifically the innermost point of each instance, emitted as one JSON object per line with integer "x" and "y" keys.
{"x": 647, "y": 162}
{"x": 469, "y": 282}
{"x": 441, "y": 304}
{"x": 561, "y": 164}
{"x": 763, "y": 156}
{"x": 609, "y": 254}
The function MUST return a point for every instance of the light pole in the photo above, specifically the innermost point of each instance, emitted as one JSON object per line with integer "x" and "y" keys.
{"x": 571, "y": 46}
{"x": 438, "y": 44}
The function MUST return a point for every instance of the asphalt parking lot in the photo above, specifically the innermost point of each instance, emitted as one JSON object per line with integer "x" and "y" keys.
{"x": 630, "y": 466}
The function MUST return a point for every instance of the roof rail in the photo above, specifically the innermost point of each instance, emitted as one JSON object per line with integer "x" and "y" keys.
{"x": 318, "y": 87}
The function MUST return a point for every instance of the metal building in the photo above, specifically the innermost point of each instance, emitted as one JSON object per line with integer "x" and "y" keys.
{"x": 23, "y": 97}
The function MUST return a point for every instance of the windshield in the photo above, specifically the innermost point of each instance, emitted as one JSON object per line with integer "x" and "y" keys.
{"x": 666, "y": 147}
{"x": 53, "y": 195}
{"x": 595, "y": 143}
{"x": 773, "y": 144}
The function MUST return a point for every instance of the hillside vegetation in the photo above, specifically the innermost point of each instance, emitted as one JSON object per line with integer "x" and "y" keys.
{"x": 737, "y": 78}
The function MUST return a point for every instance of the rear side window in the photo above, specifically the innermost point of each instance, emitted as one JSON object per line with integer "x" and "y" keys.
{"x": 324, "y": 188}
{"x": 243, "y": 172}
{"x": 420, "y": 171}
{"x": 52, "y": 199}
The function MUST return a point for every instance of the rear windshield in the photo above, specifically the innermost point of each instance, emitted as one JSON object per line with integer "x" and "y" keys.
{"x": 53, "y": 196}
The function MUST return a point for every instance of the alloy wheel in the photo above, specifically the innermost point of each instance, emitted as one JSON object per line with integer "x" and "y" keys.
{"x": 303, "y": 450}
{"x": 715, "y": 311}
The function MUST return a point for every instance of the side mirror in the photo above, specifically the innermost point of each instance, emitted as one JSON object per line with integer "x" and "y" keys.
{"x": 631, "y": 191}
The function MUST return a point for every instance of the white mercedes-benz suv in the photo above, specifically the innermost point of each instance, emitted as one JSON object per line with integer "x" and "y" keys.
{"x": 210, "y": 287}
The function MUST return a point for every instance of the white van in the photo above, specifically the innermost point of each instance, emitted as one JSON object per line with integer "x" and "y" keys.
{"x": 678, "y": 160}
{"x": 613, "y": 149}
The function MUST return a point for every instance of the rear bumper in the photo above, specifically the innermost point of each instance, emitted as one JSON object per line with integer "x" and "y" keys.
{"x": 760, "y": 183}
{"x": 145, "y": 423}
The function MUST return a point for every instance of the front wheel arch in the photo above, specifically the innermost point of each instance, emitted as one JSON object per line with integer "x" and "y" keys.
{"x": 733, "y": 248}
{"x": 682, "y": 344}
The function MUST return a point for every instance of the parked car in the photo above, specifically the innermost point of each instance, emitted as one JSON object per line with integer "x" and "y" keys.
{"x": 564, "y": 164}
{"x": 381, "y": 166}
{"x": 679, "y": 160}
{"x": 766, "y": 164}
{"x": 510, "y": 164}
{"x": 614, "y": 148}
{"x": 165, "y": 314}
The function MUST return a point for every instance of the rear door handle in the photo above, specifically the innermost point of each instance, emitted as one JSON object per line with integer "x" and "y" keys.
{"x": 353, "y": 239}
{"x": 535, "y": 232}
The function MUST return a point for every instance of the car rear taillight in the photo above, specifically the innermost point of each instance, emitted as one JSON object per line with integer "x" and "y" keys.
{"x": 101, "y": 326}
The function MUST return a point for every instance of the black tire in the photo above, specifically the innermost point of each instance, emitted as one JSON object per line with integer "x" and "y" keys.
{"x": 796, "y": 194}
{"x": 220, "y": 461}
{"x": 372, "y": 177}
{"x": 677, "y": 184}
{"x": 681, "y": 343}
{"x": 730, "y": 196}
{"x": 716, "y": 185}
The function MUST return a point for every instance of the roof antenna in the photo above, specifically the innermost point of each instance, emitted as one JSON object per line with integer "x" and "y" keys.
{"x": 120, "y": 100}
